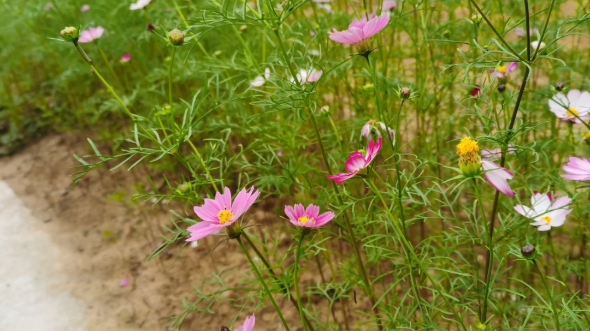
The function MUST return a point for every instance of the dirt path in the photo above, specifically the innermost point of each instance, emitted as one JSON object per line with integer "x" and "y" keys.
{"x": 33, "y": 295}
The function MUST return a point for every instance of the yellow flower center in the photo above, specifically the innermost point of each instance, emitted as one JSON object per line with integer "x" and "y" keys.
{"x": 547, "y": 219}
{"x": 305, "y": 219}
{"x": 572, "y": 112}
{"x": 468, "y": 148}
{"x": 372, "y": 122}
{"x": 502, "y": 69}
{"x": 225, "y": 216}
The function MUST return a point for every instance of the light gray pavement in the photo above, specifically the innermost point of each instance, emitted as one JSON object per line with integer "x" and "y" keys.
{"x": 33, "y": 292}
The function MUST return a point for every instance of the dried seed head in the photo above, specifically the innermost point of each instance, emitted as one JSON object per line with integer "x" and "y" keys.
{"x": 528, "y": 251}
{"x": 405, "y": 93}
{"x": 559, "y": 86}
{"x": 501, "y": 88}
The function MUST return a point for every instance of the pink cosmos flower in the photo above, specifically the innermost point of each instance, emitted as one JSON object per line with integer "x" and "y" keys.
{"x": 140, "y": 4}
{"x": 357, "y": 162}
{"x": 546, "y": 212}
{"x": 91, "y": 34}
{"x": 260, "y": 80}
{"x": 359, "y": 31}
{"x": 125, "y": 58}
{"x": 305, "y": 76}
{"x": 503, "y": 70}
{"x": 221, "y": 212}
{"x": 577, "y": 169}
{"x": 307, "y": 218}
{"x": 522, "y": 33}
{"x": 496, "y": 153}
{"x": 85, "y": 8}
{"x": 576, "y": 103}
{"x": 248, "y": 324}
{"x": 498, "y": 177}
{"x": 368, "y": 128}
{"x": 388, "y": 5}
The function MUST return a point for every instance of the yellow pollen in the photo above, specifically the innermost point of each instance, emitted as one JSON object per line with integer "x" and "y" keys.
{"x": 572, "y": 112}
{"x": 305, "y": 219}
{"x": 225, "y": 216}
{"x": 467, "y": 146}
{"x": 372, "y": 122}
{"x": 503, "y": 69}
{"x": 547, "y": 219}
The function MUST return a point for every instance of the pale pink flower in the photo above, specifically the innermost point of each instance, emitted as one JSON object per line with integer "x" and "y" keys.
{"x": 248, "y": 324}
{"x": 260, "y": 80}
{"x": 496, "y": 153}
{"x": 140, "y": 4}
{"x": 125, "y": 58}
{"x": 388, "y": 5}
{"x": 502, "y": 71}
{"x": 357, "y": 162}
{"x": 577, "y": 169}
{"x": 378, "y": 127}
{"x": 324, "y": 4}
{"x": 546, "y": 212}
{"x": 576, "y": 103}
{"x": 124, "y": 282}
{"x": 221, "y": 212}
{"x": 311, "y": 76}
{"x": 498, "y": 177}
{"x": 307, "y": 217}
{"x": 522, "y": 33}
{"x": 91, "y": 34}
{"x": 359, "y": 31}
{"x": 85, "y": 8}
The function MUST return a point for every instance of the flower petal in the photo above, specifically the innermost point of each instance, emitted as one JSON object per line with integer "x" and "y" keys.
{"x": 498, "y": 177}
{"x": 202, "y": 230}
{"x": 324, "y": 218}
{"x": 341, "y": 178}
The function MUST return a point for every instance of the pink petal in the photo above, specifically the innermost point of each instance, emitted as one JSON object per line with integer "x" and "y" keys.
{"x": 324, "y": 218}
{"x": 512, "y": 67}
{"x": 373, "y": 149}
{"x": 290, "y": 212}
{"x": 85, "y": 37}
{"x": 355, "y": 162}
{"x": 525, "y": 211}
{"x": 375, "y": 25}
{"x": 203, "y": 229}
{"x": 574, "y": 96}
{"x": 244, "y": 200}
{"x": 312, "y": 211}
{"x": 314, "y": 76}
{"x": 341, "y": 178}
{"x": 357, "y": 24}
{"x": 249, "y": 324}
{"x": 497, "y": 177}
{"x": 347, "y": 37}
{"x": 124, "y": 282}
{"x": 388, "y": 5}
{"x": 560, "y": 203}
{"x": 366, "y": 130}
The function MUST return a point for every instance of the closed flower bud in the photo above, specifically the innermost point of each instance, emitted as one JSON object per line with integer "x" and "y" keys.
{"x": 501, "y": 88}
{"x": 405, "y": 93}
{"x": 560, "y": 86}
{"x": 176, "y": 37}
{"x": 184, "y": 187}
{"x": 224, "y": 328}
{"x": 151, "y": 27}
{"x": 243, "y": 28}
{"x": 528, "y": 251}
{"x": 587, "y": 138}
{"x": 476, "y": 18}
{"x": 469, "y": 159}
{"x": 69, "y": 33}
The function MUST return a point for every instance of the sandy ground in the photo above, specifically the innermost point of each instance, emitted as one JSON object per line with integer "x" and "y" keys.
{"x": 33, "y": 291}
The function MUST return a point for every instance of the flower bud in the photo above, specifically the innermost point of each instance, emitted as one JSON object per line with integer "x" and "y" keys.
{"x": 528, "y": 251}
{"x": 224, "y": 328}
{"x": 501, "y": 88}
{"x": 476, "y": 18}
{"x": 176, "y": 37}
{"x": 151, "y": 27}
{"x": 560, "y": 86}
{"x": 587, "y": 138}
{"x": 243, "y": 27}
{"x": 535, "y": 44}
{"x": 69, "y": 33}
{"x": 217, "y": 53}
{"x": 405, "y": 93}
{"x": 469, "y": 159}
{"x": 369, "y": 87}
{"x": 184, "y": 187}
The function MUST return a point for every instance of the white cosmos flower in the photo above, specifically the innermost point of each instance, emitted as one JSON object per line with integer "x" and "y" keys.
{"x": 140, "y": 4}
{"x": 576, "y": 103}
{"x": 546, "y": 212}
{"x": 260, "y": 80}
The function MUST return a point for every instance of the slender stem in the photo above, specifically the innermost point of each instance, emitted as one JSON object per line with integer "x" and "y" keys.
{"x": 286, "y": 57}
{"x": 170, "y": 78}
{"x": 553, "y": 306}
{"x": 203, "y": 164}
{"x": 489, "y": 255}
{"x": 544, "y": 29}
{"x": 295, "y": 281}
{"x": 488, "y": 281}
{"x": 528, "y": 29}
{"x": 272, "y": 300}
{"x": 397, "y": 160}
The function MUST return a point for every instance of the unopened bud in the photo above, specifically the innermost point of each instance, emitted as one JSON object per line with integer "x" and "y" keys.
{"x": 405, "y": 93}
{"x": 184, "y": 187}
{"x": 501, "y": 88}
{"x": 528, "y": 251}
{"x": 176, "y": 37}
{"x": 559, "y": 86}
{"x": 69, "y": 33}
{"x": 476, "y": 18}
{"x": 217, "y": 53}
{"x": 151, "y": 27}
{"x": 535, "y": 45}
{"x": 369, "y": 87}
{"x": 587, "y": 138}
{"x": 224, "y": 328}
{"x": 243, "y": 28}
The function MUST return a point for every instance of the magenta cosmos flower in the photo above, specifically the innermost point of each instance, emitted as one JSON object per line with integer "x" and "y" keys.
{"x": 307, "y": 217}
{"x": 502, "y": 71}
{"x": 248, "y": 324}
{"x": 576, "y": 103}
{"x": 498, "y": 177}
{"x": 577, "y": 169}
{"x": 357, "y": 162}
{"x": 125, "y": 58}
{"x": 360, "y": 31}
{"x": 221, "y": 212}
{"x": 91, "y": 34}
{"x": 546, "y": 212}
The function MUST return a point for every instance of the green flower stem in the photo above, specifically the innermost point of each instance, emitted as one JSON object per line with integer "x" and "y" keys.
{"x": 203, "y": 164}
{"x": 528, "y": 29}
{"x": 553, "y": 306}
{"x": 489, "y": 255}
{"x": 295, "y": 280}
{"x": 488, "y": 275}
{"x": 274, "y": 275}
{"x": 261, "y": 280}
{"x": 104, "y": 82}
{"x": 352, "y": 237}
{"x": 544, "y": 29}
{"x": 170, "y": 77}
{"x": 410, "y": 251}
